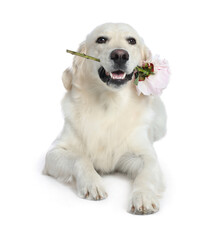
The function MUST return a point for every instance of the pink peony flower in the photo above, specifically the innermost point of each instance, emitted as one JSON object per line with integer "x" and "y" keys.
{"x": 155, "y": 83}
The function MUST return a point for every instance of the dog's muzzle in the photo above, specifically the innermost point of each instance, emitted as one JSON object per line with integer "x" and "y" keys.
{"x": 118, "y": 77}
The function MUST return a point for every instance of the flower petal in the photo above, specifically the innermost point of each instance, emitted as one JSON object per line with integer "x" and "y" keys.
{"x": 142, "y": 87}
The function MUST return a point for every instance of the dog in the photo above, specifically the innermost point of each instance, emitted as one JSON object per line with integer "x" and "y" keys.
{"x": 107, "y": 126}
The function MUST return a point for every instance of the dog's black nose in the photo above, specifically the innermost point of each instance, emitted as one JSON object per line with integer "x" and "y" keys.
{"x": 119, "y": 56}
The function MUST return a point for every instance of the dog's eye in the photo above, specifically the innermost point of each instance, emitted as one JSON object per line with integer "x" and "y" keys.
{"x": 102, "y": 40}
{"x": 131, "y": 41}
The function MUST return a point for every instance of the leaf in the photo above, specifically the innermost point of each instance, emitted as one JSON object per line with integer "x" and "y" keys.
{"x": 136, "y": 80}
{"x": 140, "y": 69}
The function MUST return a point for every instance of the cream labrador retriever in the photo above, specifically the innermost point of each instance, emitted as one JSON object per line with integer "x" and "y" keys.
{"x": 108, "y": 127}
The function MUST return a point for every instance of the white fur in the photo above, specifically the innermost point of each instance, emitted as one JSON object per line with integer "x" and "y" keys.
{"x": 108, "y": 129}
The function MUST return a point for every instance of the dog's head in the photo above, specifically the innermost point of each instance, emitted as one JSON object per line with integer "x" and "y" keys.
{"x": 120, "y": 50}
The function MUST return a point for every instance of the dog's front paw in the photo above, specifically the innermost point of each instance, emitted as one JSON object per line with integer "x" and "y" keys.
{"x": 143, "y": 203}
{"x": 91, "y": 188}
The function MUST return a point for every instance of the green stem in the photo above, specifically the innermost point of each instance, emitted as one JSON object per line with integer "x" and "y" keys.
{"x": 83, "y": 55}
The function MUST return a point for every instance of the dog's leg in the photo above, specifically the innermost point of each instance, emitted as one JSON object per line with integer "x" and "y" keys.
{"x": 147, "y": 185}
{"x": 64, "y": 165}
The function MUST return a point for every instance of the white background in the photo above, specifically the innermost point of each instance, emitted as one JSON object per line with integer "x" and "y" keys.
{"x": 34, "y": 37}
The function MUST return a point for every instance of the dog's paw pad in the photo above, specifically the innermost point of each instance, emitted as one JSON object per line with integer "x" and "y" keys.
{"x": 143, "y": 203}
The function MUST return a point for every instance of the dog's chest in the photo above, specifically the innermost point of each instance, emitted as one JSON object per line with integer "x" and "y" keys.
{"x": 105, "y": 134}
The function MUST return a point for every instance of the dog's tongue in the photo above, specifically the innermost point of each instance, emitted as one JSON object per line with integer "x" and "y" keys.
{"x": 118, "y": 75}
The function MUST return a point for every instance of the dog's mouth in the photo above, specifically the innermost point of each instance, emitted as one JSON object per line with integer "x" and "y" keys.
{"x": 116, "y": 78}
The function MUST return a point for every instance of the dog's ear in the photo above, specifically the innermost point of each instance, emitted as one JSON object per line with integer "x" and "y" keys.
{"x": 69, "y": 73}
{"x": 145, "y": 52}
{"x": 67, "y": 78}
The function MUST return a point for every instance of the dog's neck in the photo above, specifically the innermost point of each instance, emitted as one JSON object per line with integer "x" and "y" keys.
{"x": 100, "y": 94}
